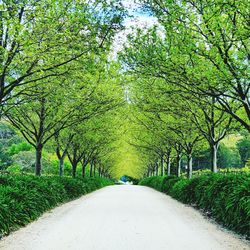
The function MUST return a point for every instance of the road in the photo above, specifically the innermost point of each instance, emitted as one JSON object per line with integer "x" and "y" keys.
{"x": 123, "y": 218}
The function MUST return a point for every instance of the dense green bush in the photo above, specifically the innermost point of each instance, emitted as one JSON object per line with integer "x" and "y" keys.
{"x": 154, "y": 182}
{"x": 25, "y": 198}
{"x": 225, "y": 197}
{"x": 243, "y": 146}
{"x": 244, "y": 170}
{"x": 132, "y": 179}
{"x": 20, "y": 147}
{"x": 228, "y": 157}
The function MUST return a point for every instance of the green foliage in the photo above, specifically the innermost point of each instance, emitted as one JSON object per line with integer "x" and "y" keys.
{"x": 53, "y": 165}
{"x": 6, "y": 132}
{"x": 25, "y": 160}
{"x": 247, "y": 165}
{"x": 16, "y": 148}
{"x": 46, "y": 41}
{"x": 14, "y": 169}
{"x": 223, "y": 171}
{"x": 228, "y": 157}
{"x": 154, "y": 182}
{"x": 187, "y": 74}
{"x": 25, "y": 198}
{"x": 168, "y": 183}
{"x": 225, "y": 197}
{"x": 193, "y": 42}
{"x": 7, "y": 138}
{"x": 130, "y": 178}
{"x": 243, "y": 146}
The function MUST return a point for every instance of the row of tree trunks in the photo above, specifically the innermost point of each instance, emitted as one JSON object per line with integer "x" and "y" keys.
{"x": 165, "y": 165}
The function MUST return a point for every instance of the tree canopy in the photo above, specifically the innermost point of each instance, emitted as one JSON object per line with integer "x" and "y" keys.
{"x": 167, "y": 104}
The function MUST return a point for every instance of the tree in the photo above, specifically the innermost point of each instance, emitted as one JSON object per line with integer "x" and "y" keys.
{"x": 39, "y": 119}
{"x": 91, "y": 143}
{"x": 203, "y": 47}
{"x": 164, "y": 114}
{"x": 61, "y": 103}
{"x": 39, "y": 38}
{"x": 214, "y": 124}
{"x": 63, "y": 140}
{"x": 173, "y": 76}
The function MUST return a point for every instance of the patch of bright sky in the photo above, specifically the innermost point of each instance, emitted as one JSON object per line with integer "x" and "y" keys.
{"x": 137, "y": 18}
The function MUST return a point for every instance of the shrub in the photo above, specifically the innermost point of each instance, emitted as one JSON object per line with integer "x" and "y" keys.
{"x": 17, "y": 148}
{"x": 154, "y": 182}
{"x": 25, "y": 198}
{"x": 26, "y": 161}
{"x": 225, "y": 197}
{"x": 177, "y": 190}
{"x": 168, "y": 184}
{"x": 132, "y": 179}
{"x": 243, "y": 146}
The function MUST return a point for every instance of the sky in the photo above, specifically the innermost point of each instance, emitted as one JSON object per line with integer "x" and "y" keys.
{"x": 136, "y": 18}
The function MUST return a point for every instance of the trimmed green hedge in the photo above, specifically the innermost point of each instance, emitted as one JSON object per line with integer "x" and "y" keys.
{"x": 130, "y": 178}
{"x": 225, "y": 197}
{"x": 25, "y": 198}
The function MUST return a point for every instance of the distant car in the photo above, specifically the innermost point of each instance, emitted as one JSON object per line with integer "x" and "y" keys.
{"x": 123, "y": 178}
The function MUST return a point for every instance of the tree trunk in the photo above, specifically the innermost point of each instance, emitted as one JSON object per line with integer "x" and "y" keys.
{"x": 60, "y": 156}
{"x": 83, "y": 170}
{"x": 38, "y": 164}
{"x": 91, "y": 169}
{"x": 156, "y": 169}
{"x": 162, "y": 166}
{"x": 190, "y": 166}
{"x": 74, "y": 165}
{"x": 214, "y": 149}
{"x": 61, "y": 166}
{"x": 94, "y": 169}
{"x": 168, "y": 165}
{"x": 178, "y": 170}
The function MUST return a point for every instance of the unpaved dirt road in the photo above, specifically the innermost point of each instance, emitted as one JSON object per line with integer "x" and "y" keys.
{"x": 123, "y": 218}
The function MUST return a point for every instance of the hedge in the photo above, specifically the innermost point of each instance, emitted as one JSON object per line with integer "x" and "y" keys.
{"x": 225, "y": 197}
{"x": 24, "y": 198}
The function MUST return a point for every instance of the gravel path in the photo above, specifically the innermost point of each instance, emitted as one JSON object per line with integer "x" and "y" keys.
{"x": 123, "y": 218}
